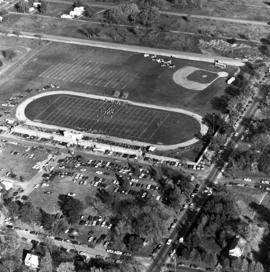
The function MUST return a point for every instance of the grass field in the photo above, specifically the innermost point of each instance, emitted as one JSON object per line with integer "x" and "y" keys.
{"x": 113, "y": 118}
{"x": 16, "y": 159}
{"x": 102, "y": 71}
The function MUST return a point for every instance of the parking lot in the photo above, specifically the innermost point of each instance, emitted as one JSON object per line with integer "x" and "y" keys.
{"x": 80, "y": 177}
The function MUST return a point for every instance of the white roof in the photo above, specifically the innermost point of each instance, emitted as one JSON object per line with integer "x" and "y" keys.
{"x": 235, "y": 252}
{"x": 66, "y": 16}
{"x": 31, "y": 260}
{"x": 8, "y": 185}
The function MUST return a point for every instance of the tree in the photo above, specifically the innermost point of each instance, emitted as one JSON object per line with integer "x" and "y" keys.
{"x": 42, "y": 8}
{"x": 28, "y": 213}
{"x": 148, "y": 16}
{"x": 172, "y": 196}
{"x": 22, "y": 6}
{"x": 66, "y": 267}
{"x": 46, "y": 263}
{"x": 133, "y": 242}
{"x": 220, "y": 103}
{"x": 88, "y": 11}
{"x": 264, "y": 161}
{"x": 70, "y": 207}
{"x": 9, "y": 54}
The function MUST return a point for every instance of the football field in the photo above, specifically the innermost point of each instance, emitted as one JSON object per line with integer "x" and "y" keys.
{"x": 113, "y": 118}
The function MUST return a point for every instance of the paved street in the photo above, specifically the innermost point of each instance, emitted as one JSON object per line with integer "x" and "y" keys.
{"x": 131, "y": 48}
{"x": 91, "y": 252}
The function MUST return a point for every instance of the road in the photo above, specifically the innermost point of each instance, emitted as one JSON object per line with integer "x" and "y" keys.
{"x": 130, "y": 48}
{"x": 179, "y": 230}
{"x": 216, "y": 18}
{"x": 91, "y": 252}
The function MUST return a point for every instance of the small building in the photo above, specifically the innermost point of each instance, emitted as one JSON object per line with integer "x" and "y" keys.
{"x": 1, "y": 19}
{"x": 237, "y": 247}
{"x": 230, "y": 80}
{"x": 31, "y": 10}
{"x": 77, "y": 12}
{"x": 219, "y": 64}
{"x": 31, "y": 261}
{"x": 37, "y": 4}
{"x": 66, "y": 16}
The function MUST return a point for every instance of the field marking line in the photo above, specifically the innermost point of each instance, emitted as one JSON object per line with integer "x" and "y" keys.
{"x": 121, "y": 112}
{"x": 59, "y": 114}
{"x": 126, "y": 120}
{"x": 66, "y": 74}
{"x": 76, "y": 116}
{"x": 145, "y": 118}
{"x": 91, "y": 111}
{"x": 156, "y": 130}
{"x": 41, "y": 113}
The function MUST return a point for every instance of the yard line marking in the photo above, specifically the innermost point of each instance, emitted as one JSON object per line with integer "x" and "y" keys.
{"x": 162, "y": 122}
{"x": 117, "y": 118}
{"x": 68, "y": 73}
{"x": 61, "y": 71}
{"x": 77, "y": 115}
{"x": 41, "y": 113}
{"x": 145, "y": 118}
{"x": 51, "y": 70}
{"x": 54, "y": 111}
{"x": 51, "y": 110}
{"x": 60, "y": 115}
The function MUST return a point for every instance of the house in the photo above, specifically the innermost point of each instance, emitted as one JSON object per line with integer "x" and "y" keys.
{"x": 37, "y": 4}
{"x": 31, "y": 261}
{"x": 32, "y": 10}
{"x": 237, "y": 247}
{"x": 66, "y": 16}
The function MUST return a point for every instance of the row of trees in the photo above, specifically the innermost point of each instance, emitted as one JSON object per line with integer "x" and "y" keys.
{"x": 135, "y": 220}
{"x": 71, "y": 208}
{"x": 209, "y": 241}
{"x": 130, "y": 13}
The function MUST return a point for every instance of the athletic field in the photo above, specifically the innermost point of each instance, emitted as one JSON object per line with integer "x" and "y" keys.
{"x": 113, "y": 118}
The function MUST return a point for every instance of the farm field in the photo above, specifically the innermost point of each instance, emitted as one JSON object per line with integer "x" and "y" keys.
{"x": 113, "y": 118}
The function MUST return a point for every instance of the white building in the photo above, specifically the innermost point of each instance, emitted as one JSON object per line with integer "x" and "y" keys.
{"x": 230, "y": 80}
{"x": 36, "y": 4}
{"x": 75, "y": 13}
{"x": 66, "y": 16}
{"x": 238, "y": 247}
{"x": 31, "y": 261}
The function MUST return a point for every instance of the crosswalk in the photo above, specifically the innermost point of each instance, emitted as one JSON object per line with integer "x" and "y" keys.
{"x": 93, "y": 74}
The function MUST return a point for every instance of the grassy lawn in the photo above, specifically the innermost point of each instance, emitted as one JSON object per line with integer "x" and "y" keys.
{"x": 59, "y": 186}
{"x": 245, "y": 196}
{"x": 15, "y": 158}
{"x": 147, "y": 80}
